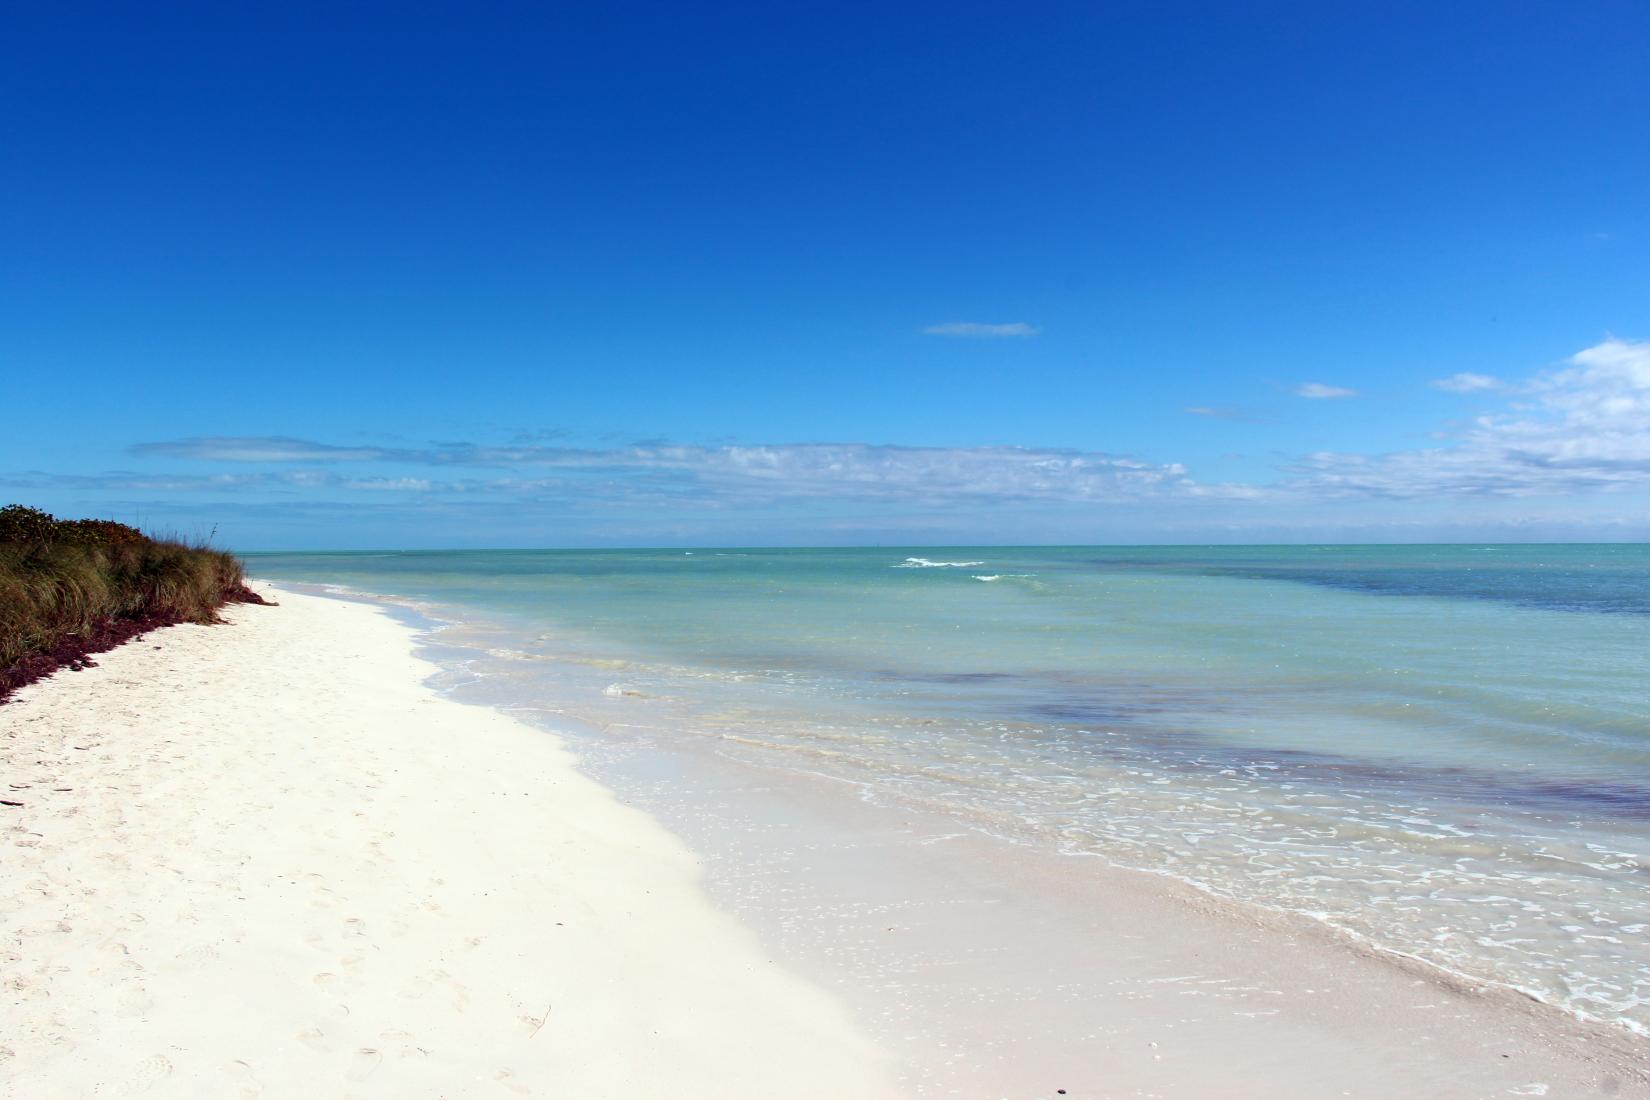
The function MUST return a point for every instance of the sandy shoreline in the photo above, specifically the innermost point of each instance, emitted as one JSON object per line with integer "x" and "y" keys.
{"x": 990, "y": 968}
{"x": 263, "y": 859}
{"x": 285, "y": 866}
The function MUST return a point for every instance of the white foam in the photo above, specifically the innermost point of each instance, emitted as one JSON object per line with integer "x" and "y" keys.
{"x": 924, "y": 563}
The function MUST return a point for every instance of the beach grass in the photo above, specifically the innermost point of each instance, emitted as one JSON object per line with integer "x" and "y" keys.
{"x": 69, "y": 588}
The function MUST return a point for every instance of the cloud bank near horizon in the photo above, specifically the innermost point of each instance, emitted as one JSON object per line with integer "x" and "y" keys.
{"x": 724, "y": 475}
{"x": 1578, "y": 430}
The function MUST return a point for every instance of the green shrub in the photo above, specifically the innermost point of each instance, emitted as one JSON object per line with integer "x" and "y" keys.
{"x": 20, "y": 523}
{"x": 61, "y": 579}
{"x": 99, "y": 532}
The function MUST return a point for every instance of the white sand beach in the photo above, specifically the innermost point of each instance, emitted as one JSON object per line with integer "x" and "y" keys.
{"x": 263, "y": 860}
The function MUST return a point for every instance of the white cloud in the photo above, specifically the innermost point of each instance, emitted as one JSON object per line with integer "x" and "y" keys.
{"x": 1583, "y": 428}
{"x": 1466, "y": 382}
{"x": 1318, "y": 391}
{"x": 927, "y": 474}
{"x": 976, "y": 330}
{"x": 1218, "y": 412}
{"x": 389, "y": 484}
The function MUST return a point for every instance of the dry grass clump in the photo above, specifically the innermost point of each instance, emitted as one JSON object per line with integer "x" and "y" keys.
{"x": 73, "y": 587}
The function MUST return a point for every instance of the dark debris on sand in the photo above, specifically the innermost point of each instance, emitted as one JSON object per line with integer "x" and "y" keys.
{"x": 74, "y": 651}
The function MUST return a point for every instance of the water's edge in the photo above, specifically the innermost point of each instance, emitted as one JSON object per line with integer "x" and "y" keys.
{"x": 722, "y": 806}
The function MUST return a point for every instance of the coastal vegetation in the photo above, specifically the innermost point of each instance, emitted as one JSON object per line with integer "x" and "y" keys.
{"x": 71, "y": 588}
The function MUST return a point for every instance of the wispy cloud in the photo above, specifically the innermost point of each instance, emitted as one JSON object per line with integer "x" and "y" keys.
{"x": 388, "y": 484}
{"x": 1466, "y": 382}
{"x": 1318, "y": 391}
{"x": 936, "y": 476}
{"x": 1219, "y": 412}
{"x": 976, "y": 330}
{"x": 283, "y": 449}
{"x": 272, "y": 448}
{"x": 125, "y": 481}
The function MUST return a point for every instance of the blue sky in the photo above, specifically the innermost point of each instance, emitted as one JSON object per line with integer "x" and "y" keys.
{"x": 643, "y": 274}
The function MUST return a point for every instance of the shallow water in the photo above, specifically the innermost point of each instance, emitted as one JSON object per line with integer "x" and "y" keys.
{"x": 1442, "y": 750}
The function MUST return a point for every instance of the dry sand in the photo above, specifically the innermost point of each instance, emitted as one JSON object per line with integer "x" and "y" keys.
{"x": 264, "y": 860}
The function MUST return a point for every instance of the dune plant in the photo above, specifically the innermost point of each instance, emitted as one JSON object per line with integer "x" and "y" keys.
{"x": 69, "y": 588}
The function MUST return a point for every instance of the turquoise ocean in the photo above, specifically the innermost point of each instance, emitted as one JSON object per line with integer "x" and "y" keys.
{"x": 1442, "y": 751}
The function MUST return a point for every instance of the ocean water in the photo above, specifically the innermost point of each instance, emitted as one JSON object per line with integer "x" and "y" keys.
{"x": 1443, "y": 751}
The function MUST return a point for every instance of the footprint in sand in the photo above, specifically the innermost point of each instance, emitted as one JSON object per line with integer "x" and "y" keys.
{"x": 203, "y": 954}
{"x": 135, "y": 1002}
{"x": 150, "y": 1072}
{"x": 416, "y": 990}
{"x": 315, "y": 1039}
{"x": 363, "y": 1063}
{"x": 508, "y": 1080}
{"x": 458, "y": 995}
{"x": 401, "y": 1044}
{"x": 251, "y": 1087}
